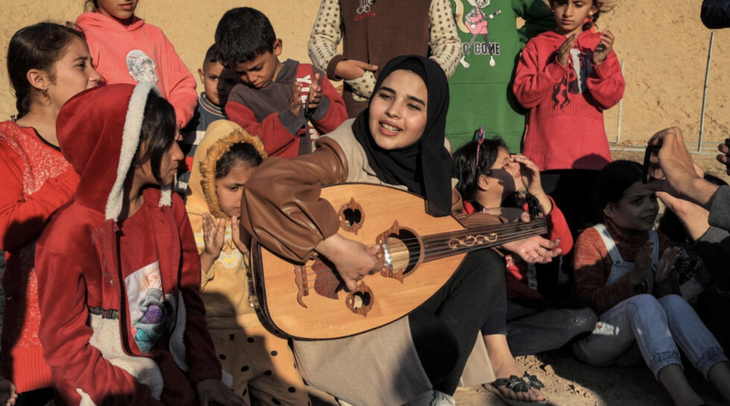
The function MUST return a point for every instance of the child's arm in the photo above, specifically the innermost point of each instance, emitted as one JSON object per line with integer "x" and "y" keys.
{"x": 325, "y": 37}
{"x": 330, "y": 111}
{"x": 443, "y": 40}
{"x": 23, "y": 219}
{"x": 8, "y": 393}
{"x": 534, "y": 80}
{"x": 277, "y": 131}
{"x": 537, "y": 15}
{"x": 606, "y": 83}
{"x": 180, "y": 85}
{"x": 214, "y": 237}
{"x": 79, "y": 369}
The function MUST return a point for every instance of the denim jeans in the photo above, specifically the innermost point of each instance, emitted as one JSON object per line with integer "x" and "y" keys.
{"x": 655, "y": 325}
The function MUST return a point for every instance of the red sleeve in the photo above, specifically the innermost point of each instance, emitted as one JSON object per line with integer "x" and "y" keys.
{"x": 606, "y": 83}
{"x": 592, "y": 267}
{"x": 201, "y": 357}
{"x": 180, "y": 85}
{"x": 21, "y": 218}
{"x": 272, "y": 131}
{"x": 75, "y": 364}
{"x": 533, "y": 82}
{"x": 558, "y": 228}
{"x": 336, "y": 112}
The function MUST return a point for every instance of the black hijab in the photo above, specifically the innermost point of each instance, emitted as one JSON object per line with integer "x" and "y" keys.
{"x": 424, "y": 166}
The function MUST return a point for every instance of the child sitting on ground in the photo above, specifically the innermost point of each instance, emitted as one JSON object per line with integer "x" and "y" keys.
{"x": 217, "y": 81}
{"x": 637, "y": 301}
{"x": 493, "y": 181}
{"x": 262, "y": 364}
{"x": 286, "y": 104}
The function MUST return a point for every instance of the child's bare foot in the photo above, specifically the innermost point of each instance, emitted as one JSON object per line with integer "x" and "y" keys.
{"x": 504, "y": 366}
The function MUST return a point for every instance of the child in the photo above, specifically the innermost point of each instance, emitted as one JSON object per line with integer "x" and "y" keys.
{"x": 282, "y": 208}
{"x": 566, "y": 79}
{"x": 122, "y": 321}
{"x": 482, "y": 86}
{"x": 493, "y": 181}
{"x": 637, "y": 301}
{"x": 261, "y": 363}
{"x": 376, "y": 32}
{"x": 217, "y": 82}
{"x": 286, "y": 104}
{"x": 47, "y": 64}
{"x": 125, "y": 49}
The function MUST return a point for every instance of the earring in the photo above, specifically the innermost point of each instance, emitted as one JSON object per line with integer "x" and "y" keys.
{"x": 43, "y": 92}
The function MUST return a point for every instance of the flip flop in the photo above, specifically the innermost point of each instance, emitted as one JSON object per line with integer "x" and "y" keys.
{"x": 517, "y": 384}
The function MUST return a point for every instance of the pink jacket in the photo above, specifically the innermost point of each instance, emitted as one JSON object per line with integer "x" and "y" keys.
{"x": 140, "y": 52}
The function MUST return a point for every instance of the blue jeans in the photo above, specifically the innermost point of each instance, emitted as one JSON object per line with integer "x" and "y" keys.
{"x": 657, "y": 326}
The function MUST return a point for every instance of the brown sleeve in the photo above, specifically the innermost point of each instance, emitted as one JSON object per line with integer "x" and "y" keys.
{"x": 281, "y": 205}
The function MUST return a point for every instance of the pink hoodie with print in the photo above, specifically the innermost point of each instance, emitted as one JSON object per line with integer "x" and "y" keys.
{"x": 140, "y": 52}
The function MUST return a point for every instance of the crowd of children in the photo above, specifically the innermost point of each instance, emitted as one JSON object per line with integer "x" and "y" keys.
{"x": 128, "y": 235}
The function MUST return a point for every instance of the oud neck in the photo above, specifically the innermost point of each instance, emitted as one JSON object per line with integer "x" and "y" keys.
{"x": 442, "y": 245}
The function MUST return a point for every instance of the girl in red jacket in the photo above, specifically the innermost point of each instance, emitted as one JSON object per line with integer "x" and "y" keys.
{"x": 47, "y": 64}
{"x": 122, "y": 322}
{"x": 567, "y": 78}
{"x": 126, "y": 49}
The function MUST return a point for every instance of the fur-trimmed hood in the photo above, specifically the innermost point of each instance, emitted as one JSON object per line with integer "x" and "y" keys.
{"x": 201, "y": 194}
{"x": 100, "y": 141}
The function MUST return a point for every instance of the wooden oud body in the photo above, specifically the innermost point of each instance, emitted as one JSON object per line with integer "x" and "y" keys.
{"x": 307, "y": 301}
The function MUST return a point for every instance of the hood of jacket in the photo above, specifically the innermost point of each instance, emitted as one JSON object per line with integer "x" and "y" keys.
{"x": 98, "y": 21}
{"x": 201, "y": 194}
{"x": 98, "y": 132}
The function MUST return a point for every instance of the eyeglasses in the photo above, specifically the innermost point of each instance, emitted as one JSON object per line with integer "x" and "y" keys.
{"x": 480, "y": 141}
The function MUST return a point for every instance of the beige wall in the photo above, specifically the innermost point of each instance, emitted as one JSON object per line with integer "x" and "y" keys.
{"x": 663, "y": 42}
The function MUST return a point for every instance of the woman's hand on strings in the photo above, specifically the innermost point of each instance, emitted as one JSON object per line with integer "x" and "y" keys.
{"x": 352, "y": 259}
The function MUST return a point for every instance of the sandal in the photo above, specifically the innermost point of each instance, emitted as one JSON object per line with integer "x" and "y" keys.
{"x": 516, "y": 384}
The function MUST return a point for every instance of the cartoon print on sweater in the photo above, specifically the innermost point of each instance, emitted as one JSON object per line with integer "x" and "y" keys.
{"x": 476, "y": 22}
{"x": 576, "y": 80}
{"x": 365, "y": 11}
{"x": 148, "y": 307}
{"x": 141, "y": 67}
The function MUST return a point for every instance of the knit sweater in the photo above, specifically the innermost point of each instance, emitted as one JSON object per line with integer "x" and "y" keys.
{"x": 376, "y": 32}
{"x": 565, "y": 123}
{"x": 140, "y": 52}
{"x": 481, "y": 87}
{"x": 593, "y": 264}
{"x": 36, "y": 182}
{"x": 265, "y": 112}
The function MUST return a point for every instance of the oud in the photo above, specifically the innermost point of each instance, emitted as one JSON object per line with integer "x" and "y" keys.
{"x": 418, "y": 254}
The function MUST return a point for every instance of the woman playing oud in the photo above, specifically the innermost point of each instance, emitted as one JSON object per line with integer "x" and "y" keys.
{"x": 398, "y": 141}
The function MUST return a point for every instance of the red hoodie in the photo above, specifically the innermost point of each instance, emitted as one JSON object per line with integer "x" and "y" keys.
{"x": 140, "y": 52}
{"x": 565, "y": 123}
{"x": 88, "y": 324}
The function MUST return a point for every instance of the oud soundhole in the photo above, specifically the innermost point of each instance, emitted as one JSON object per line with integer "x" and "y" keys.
{"x": 351, "y": 217}
{"x": 360, "y": 300}
{"x": 405, "y": 251}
